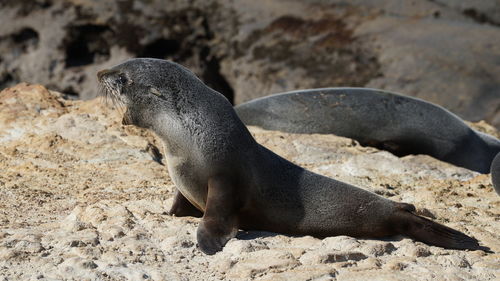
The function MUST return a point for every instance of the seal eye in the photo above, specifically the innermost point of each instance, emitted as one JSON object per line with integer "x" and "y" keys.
{"x": 122, "y": 79}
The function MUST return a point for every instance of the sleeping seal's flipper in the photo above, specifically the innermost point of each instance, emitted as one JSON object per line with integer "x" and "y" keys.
{"x": 495, "y": 173}
{"x": 433, "y": 233}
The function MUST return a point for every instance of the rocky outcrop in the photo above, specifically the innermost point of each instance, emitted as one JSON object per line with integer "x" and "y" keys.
{"x": 84, "y": 197}
{"x": 63, "y": 43}
{"x": 443, "y": 51}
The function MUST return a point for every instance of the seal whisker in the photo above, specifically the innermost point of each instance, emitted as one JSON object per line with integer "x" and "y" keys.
{"x": 117, "y": 102}
{"x": 102, "y": 92}
{"x": 110, "y": 95}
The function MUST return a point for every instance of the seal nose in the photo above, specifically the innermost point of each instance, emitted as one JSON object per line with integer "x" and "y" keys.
{"x": 101, "y": 73}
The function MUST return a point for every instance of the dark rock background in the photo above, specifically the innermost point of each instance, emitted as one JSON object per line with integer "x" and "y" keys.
{"x": 444, "y": 51}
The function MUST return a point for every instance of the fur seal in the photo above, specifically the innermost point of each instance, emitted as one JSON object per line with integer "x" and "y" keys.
{"x": 221, "y": 171}
{"x": 400, "y": 124}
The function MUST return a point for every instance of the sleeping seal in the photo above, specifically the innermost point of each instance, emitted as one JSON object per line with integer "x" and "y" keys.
{"x": 400, "y": 124}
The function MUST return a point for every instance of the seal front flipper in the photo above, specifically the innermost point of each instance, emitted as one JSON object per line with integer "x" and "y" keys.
{"x": 183, "y": 208}
{"x": 432, "y": 233}
{"x": 219, "y": 222}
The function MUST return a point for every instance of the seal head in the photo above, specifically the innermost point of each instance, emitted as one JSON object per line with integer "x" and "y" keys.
{"x": 132, "y": 85}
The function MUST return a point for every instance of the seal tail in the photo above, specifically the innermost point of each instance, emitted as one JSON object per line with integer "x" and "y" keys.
{"x": 433, "y": 233}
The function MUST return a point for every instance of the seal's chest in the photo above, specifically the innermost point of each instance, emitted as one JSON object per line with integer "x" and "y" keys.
{"x": 188, "y": 182}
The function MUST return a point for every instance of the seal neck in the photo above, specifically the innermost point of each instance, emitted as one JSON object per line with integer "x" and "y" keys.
{"x": 203, "y": 129}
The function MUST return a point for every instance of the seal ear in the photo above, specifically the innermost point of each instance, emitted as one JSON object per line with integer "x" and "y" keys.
{"x": 154, "y": 91}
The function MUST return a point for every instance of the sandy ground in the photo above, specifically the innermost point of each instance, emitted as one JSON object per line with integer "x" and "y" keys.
{"x": 84, "y": 198}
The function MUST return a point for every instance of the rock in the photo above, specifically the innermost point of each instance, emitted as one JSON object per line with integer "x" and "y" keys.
{"x": 414, "y": 61}
{"x": 454, "y": 260}
{"x": 82, "y": 238}
{"x": 252, "y": 264}
{"x": 341, "y": 243}
{"x": 329, "y": 257}
{"x": 7, "y": 254}
{"x": 30, "y": 247}
{"x": 73, "y": 223}
{"x": 421, "y": 252}
{"x": 378, "y": 276}
{"x": 315, "y": 272}
{"x": 396, "y": 265}
{"x": 66, "y": 50}
{"x": 377, "y": 248}
{"x": 236, "y": 247}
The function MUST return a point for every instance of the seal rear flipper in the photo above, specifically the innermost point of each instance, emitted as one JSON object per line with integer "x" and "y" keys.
{"x": 433, "y": 233}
